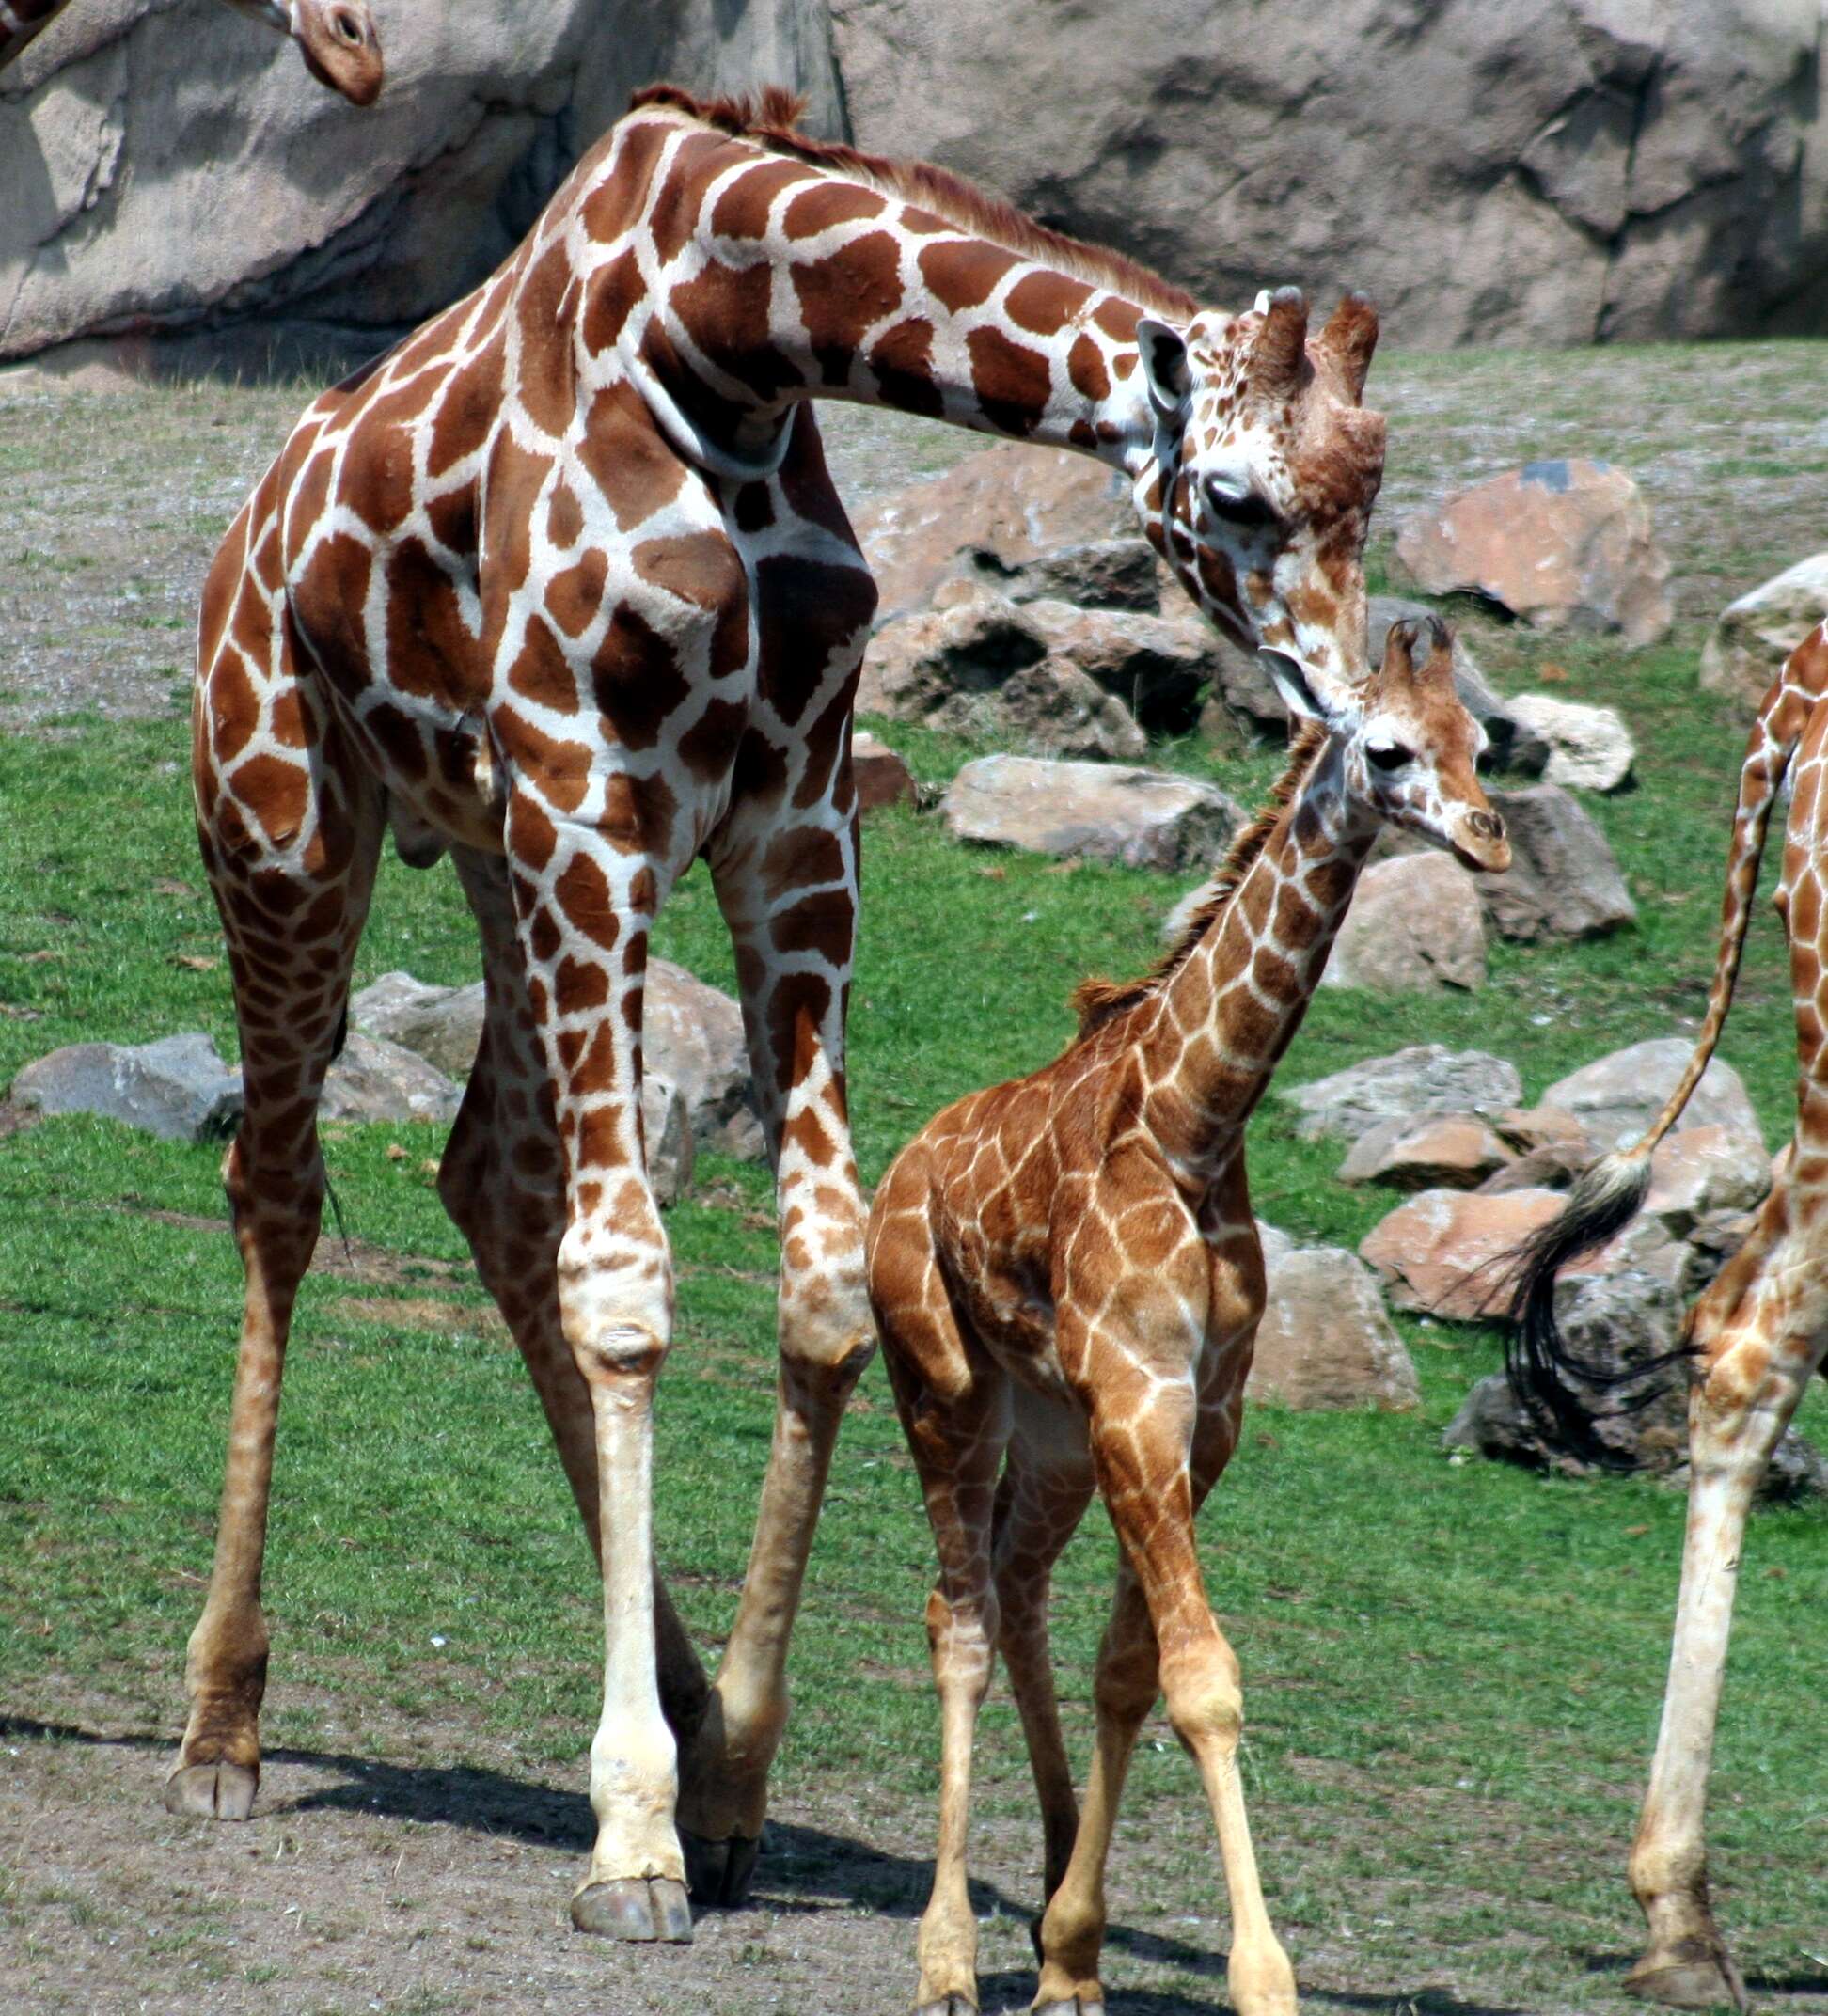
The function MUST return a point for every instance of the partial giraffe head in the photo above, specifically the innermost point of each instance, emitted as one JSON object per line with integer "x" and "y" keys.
{"x": 336, "y": 39}
{"x": 1410, "y": 747}
{"x": 1268, "y": 465}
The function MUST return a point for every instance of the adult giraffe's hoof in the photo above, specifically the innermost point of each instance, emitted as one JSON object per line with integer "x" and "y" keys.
{"x": 720, "y": 1873}
{"x": 634, "y": 1908}
{"x": 948, "y": 2006}
{"x": 212, "y": 1791}
{"x": 1078, "y": 2006}
{"x": 1695, "y": 1975}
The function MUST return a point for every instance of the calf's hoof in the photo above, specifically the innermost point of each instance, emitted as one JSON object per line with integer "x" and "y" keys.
{"x": 720, "y": 1873}
{"x": 1078, "y": 2006}
{"x": 212, "y": 1791}
{"x": 948, "y": 2006}
{"x": 1695, "y": 1975}
{"x": 637, "y": 1908}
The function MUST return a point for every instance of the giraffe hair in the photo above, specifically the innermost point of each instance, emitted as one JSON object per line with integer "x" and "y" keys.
{"x": 768, "y": 117}
{"x": 1096, "y": 1001}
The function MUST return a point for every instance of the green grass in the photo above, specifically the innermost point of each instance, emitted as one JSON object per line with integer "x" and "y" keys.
{"x": 1452, "y": 1670}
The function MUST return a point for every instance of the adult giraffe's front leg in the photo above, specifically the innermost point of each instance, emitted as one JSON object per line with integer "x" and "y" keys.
{"x": 584, "y": 905}
{"x": 790, "y": 902}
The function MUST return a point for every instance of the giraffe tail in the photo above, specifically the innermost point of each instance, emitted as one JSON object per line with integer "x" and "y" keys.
{"x": 1557, "y": 1386}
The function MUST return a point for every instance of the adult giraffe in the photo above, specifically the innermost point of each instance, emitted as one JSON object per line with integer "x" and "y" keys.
{"x": 336, "y": 38}
{"x": 1753, "y": 1339}
{"x": 561, "y": 586}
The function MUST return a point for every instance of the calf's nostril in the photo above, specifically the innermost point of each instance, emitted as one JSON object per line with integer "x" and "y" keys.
{"x": 1487, "y": 825}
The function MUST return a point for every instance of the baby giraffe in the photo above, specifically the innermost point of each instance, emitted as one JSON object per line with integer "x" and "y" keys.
{"x": 1067, "y": 1279}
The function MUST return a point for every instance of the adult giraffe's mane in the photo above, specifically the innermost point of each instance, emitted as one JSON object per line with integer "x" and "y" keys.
{"x": 1096, "y": 1001}
{"x": 767, "y": 118}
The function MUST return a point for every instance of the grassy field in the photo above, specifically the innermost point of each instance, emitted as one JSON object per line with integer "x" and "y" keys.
{"x": 1452, "y": 1670}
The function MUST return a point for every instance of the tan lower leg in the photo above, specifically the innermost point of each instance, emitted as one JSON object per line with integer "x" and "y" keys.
{"x": 961, "y": 1636}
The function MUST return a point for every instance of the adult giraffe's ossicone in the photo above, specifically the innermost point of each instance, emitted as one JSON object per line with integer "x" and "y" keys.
{"x": 561, "y": 586}
{"x": 337, "y": 38}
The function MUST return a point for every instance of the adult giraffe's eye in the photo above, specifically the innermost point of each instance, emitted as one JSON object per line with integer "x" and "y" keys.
{"x": 1249, "y": 509}
{"x": 1388, "y": 756}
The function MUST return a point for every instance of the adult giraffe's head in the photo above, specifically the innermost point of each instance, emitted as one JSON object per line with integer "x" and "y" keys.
{"x": 336, "y": 39}
{"x": 1410, "y": 748}
{"x": 1268, "y": 465}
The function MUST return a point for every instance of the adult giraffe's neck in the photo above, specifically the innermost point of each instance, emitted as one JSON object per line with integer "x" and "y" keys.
{"x": 1232, "y": 1006}
{"x": 793, "y": 282}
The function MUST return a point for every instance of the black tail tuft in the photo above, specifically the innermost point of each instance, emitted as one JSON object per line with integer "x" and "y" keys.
{"x": 1547, "y": 1380}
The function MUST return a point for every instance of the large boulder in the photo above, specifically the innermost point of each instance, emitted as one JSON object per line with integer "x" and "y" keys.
{"x": 1560, "y": 543}
{"x": 1325, "y": 1339}
{"x": 1415, "y": 926}
{"x": 117, "y": 147}
{"x": 1449, "y": 1254}
{"x": 1617, "y": 1096}
{"x": 1103, "y": 811}
{"x": 377, "y": 1081}
{"x": 1426, "y": 1078}
{"x": 1747, "y": 646}
{"x": 1590, "y": 747}
{"x": 1565, "y": 169}
{"x": 989, "y": 517}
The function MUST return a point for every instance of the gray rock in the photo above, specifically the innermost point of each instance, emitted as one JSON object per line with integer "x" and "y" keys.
{"x": 443, "y": 1025}
{"x": 1438, "y": 1151}
{"x": 116, "y": 147}
{"x": 1426, "y": 1078}
{"x": 1155, "y": 666}
{"x": 1617, "y": 1096}
{"x": 1561, "y": 542}
{"x": 1415, "y": 926}
{"x": 1141, "y": 818}
{"x": 178, "y": 1088}
{"x": 1619, "y": 1323}
{"x": 377, "y": 1081}
{"x": 1325, "y": 1339}
{"x": 667, "y": 1128}
{"x": 693, "y": 1037}
{"x": 1564, "y": 882}
{"x": 1097, "y": 573}
{"x": 1592, "y": 748}
{"x": 1747, "y": 646}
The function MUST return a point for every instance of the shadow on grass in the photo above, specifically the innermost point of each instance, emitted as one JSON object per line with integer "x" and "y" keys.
{"x": 803, "y": 1870}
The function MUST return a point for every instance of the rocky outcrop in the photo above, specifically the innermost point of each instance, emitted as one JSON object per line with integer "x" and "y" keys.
{"x": 1102, "y": 812}
{"x": 116, "y": 149}
{"x": 1565, "y": 169}
{"x": 1561, "y": 543}
{"x": 1747, "y": 646}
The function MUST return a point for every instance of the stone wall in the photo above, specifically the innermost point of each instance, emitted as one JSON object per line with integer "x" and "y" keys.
{"x": 1543, "y": 171}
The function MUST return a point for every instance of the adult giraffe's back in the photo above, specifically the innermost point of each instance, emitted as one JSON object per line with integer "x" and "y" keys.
{"x": 561, "y": 587}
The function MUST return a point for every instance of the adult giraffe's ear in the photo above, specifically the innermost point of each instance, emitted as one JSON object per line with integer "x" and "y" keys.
{"x": 1165, "y": 371}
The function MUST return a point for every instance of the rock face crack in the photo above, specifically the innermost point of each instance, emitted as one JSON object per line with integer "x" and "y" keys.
{"x": 1641, "y": 101}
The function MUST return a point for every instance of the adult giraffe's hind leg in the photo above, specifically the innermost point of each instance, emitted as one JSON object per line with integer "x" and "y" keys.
{"x": 290, "y": 829}
{"x": 1759, "y": 1334}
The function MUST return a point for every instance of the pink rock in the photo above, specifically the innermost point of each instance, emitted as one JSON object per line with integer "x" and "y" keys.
{"x": 1526, "y": 1128}
{"x": 1699, "y": 1170}
{"x": 882, "y": 776}
{"x": 1446, "y": 1253}
{"x": 1557, "y": 542}
{"x": 1415, "y": 926}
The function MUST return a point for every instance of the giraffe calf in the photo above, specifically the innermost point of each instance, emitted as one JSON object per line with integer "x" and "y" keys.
{"x": 1066, "y": 1278}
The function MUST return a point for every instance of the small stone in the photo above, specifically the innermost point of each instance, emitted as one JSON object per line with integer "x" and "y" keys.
{"x": 1141, "y": 818}
{"x": 1617, "y": 1096}
{"x": 1426, "y": 1078}
{"x": 882, "y": 778}
{"x": 1746, "y": 649}
{"x": 1558, "y": 541}
{"x": 1592, "y": 749}
{"x": 1449, "y": 1151}
{"x": 1446, "y": 1253}
{"x": 1325, "y": 1339}
{"x": 1415, "y": 926}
